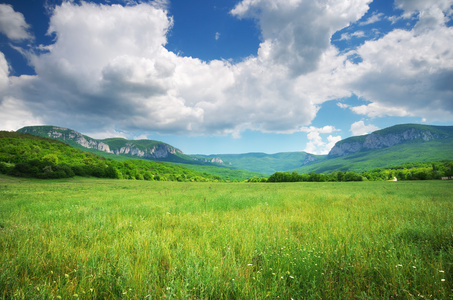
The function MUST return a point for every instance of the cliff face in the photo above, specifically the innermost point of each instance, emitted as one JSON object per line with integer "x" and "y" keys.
{"x": 157, "y": 151}
{"x": 386, "y": 138}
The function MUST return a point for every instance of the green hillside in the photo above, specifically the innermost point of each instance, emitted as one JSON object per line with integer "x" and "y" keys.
{"x": 26, "y": 155}
{"x": 73, "y": 138}
{"x": 225, "y": 172}
{"x": 266, "y": 163}
{"x": 400, "y": 130}
{"x": 415, "y": 151}
{"x": 388, "y": 147}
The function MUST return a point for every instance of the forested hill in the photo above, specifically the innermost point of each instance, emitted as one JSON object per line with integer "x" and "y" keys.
{"x": 147, "y": 149}
{"x": 28, "y": 155}
{"x": 392, "y": 136}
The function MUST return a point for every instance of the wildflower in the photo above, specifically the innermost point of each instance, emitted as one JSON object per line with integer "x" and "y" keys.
{"x": 441, "y": 271}
{"x": 398, "y": 265}
{"x": 443, "y": 279}
{"x": 414, "y": 267}
{"x": 250, "y": 265}
{"x": 291, "y": 277}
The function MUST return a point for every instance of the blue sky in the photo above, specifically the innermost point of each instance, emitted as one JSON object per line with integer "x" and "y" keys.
{"x": 226, "y": 76}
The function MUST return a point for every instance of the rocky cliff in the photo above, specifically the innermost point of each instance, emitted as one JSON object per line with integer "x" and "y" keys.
{"x": 390, "y": 137}
{"x": 143, "y": 149}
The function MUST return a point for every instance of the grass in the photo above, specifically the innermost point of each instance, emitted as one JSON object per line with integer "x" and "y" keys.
{"x": 96, "y": 239}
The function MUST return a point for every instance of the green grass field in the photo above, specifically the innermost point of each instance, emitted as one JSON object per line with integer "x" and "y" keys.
{"x": 97, "y": 238}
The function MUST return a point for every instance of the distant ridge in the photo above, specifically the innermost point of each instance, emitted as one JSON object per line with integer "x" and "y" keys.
{"x": 266, "y": 163}
{"x": 391, "y": 136}
{"x": 399, "y": 144}
{"x": 391, "y": 146}
{"x": 147, "y": 149}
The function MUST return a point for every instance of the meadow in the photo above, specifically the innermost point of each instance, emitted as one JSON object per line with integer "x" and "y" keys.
{"x": 123, "y": 239}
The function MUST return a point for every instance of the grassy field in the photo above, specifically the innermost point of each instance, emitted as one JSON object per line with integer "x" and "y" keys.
{"x": 96, "y": 239}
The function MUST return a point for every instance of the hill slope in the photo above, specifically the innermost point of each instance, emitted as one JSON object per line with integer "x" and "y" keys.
{"x": 28, "y": 155}
{"x": 383, "y": 148}
{"x": 265, "y": 163}
{"x": 388, "y": 147}
{"x": 147, "y": 149}
{"x": 391, "y": 136}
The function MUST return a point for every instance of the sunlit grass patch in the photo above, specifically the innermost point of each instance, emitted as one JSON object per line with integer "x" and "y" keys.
{"x": 131, "y": 239}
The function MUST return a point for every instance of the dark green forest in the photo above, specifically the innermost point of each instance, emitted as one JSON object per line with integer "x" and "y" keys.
{"x": 26, "y": 155}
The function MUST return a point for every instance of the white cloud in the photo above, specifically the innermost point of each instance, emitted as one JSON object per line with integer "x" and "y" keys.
{"x": 375, "y": 17}
{"x": 376, "y": 110}
{"x": 15, "y": 114}
{"x": 359, "y": 128}
{"x": 316, "y": 144}
{"x": 217, "y": 36}
{"x": 411, "y": 6}
{"x": 12, "y": 24}
{"x": 4, "y": 73}
{"x": 109, "y": 69}
{"x": 347, "y": 36}
{"x": 296, "y": 33}
{"x": 342, "y": 105}
{"x": 109, "y": 66}
{"x": 406, "y": 72}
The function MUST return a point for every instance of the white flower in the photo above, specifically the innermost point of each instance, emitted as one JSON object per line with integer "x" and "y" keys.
{"x": 443, "y": 279}
{"x": 441, "y": 271}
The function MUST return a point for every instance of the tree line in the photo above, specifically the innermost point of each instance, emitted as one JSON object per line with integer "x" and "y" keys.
{"x": 410, "y": 171}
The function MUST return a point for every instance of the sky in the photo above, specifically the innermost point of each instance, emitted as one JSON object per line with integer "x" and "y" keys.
{"x": 226, "y": 76}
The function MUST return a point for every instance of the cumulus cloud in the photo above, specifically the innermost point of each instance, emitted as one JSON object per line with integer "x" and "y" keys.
{"x": 109, "y": 69}
{"x": 317, "y": 144}
{"x": 15, "y": 114}
{"x": 296, "y": 33}
{"x": 12, "y": 24}
{"x": 359, "y": 128}
{"x": 408, "y": 72}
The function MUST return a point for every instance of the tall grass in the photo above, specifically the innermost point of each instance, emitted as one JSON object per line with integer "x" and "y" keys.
{"x": 97, "y": 239}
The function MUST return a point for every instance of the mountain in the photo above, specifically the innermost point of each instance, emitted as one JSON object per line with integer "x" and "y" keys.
{"x": 395, "y": 135}
{"x": 147, "y": 149}
{"x": 383, "y": 148}
{"x": 262, "y": 162}
{"x": 388, "y": 147}
{"x": 27, "y": 155}
{"x": 153, "y": 150}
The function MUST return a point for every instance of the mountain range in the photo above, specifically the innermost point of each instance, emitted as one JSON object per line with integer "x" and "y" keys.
{"x": 383, "y": 148}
